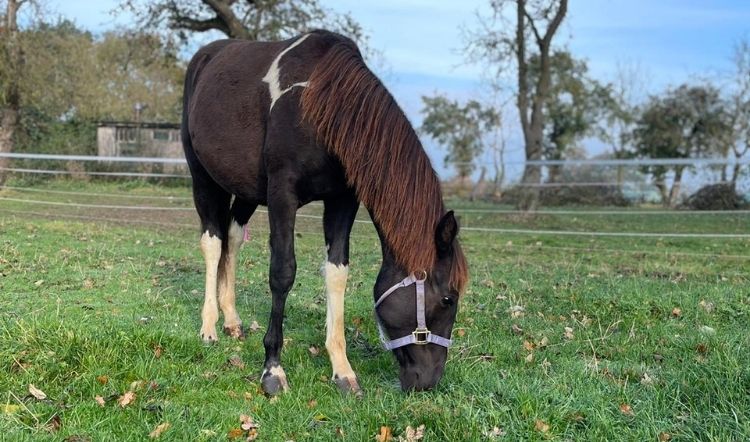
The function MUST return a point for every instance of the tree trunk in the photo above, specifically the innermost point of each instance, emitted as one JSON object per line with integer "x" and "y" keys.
{"x": 478, "y": 186}
{"x": 675, "y": 191}
{"x": 662, "y": 187}
{"x": 9, "y": 115}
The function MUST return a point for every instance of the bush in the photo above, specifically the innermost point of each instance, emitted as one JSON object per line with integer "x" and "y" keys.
{"x": 716, "y": 197}
{"x": 563, "y": 195}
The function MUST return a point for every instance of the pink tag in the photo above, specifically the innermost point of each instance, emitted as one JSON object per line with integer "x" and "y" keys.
{"x": 247, "y": 232}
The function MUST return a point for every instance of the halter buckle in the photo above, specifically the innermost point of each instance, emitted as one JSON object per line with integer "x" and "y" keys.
{"x": 421, "y": 335}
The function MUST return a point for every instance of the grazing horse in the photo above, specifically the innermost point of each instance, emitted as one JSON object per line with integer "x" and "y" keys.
{"x": 285, "y": 123}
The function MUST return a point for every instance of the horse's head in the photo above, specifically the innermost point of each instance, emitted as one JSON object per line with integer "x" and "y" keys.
{"x": 421, "y": 351}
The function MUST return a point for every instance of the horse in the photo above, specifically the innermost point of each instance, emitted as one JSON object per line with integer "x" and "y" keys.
{"x": 284, "y": 123}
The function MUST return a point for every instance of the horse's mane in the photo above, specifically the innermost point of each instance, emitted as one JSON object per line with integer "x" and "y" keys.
{"x": 359, "y": 121}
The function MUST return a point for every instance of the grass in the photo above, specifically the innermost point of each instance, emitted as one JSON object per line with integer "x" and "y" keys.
{"x": 658, "y": 339}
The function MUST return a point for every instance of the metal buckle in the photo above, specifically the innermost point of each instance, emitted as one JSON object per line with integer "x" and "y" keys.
{"x": 419, "y": 333}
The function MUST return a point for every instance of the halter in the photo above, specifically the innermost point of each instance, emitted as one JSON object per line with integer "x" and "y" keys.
{"x": 421, "y": 335}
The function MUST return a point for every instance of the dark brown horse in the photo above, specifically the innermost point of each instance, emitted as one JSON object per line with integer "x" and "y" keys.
{"x": 285, "y": 123}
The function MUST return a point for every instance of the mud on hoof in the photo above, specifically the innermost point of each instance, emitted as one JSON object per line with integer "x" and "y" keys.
{"x": 273, "y": 380}
{"x": 348, "y": 385}
{"x": 235, "y": 331}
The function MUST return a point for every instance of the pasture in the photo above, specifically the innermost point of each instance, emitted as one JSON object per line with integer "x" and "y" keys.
{"x": 560, "y": 337}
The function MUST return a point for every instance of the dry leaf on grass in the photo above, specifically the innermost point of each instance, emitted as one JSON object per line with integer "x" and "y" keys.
{"x": 236, "y": 361}
{"x": 54, "y": 424}
{"x": 494, "y": 433}
{"x": 528, "y": 345}
{"x": 254, "y": 326}
{"x": 99, "y": 400}
{"x": 37, "y": 393}
{"x": 234, "y": 433}
{"x": 516, "y": 329}
{"x": 126, "y": 399}
{"x": 315, "y": 351}
{"x": 158, "y": 351}
{"x": 385, "y": 434}
{"x": 569, "y": 334}
{"x": 411, "y": 434}
{"x": 161, "y": 428}
{"x": 541, "y": 426}
{"x": 103, "y": 379}
{"x": 665, "y": 437}
{"x": 708, "y": 307}
{"x": 676, "y": 312}
{"x": 626, "y": 409}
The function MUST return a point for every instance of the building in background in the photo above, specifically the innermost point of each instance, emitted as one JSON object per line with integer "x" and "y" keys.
{"x": 128, "y": 139}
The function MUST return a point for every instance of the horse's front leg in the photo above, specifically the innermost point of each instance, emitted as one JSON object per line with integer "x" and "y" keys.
{"x": 282, "y": 207}
{"x": 338, "y": 219}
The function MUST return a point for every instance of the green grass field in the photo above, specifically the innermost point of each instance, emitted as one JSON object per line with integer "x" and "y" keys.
{"x": 618, "y": 338}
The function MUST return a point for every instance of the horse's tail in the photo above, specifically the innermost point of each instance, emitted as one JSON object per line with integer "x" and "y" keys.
{"x": 358, "y": 120}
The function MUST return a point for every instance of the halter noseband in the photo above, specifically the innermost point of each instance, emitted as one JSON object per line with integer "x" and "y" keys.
{"x": 421, "y": 335}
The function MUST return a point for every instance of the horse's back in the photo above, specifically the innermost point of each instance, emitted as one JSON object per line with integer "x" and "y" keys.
{"x": 240, "y": 95}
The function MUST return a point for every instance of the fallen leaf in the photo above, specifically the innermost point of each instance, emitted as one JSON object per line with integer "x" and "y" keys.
{"x": 569, "y": 334}
{"x": 247, "y": 422}
{"x": 676, "y": 312}
{"x": 234, "y": 433}
{"x": 312, "y": 403}
{"x": 626, "y": 410}
{"x": 161, "y": 428}
{"x": 516, "y": 311}
{"x": 126, "y": 399}
{"x": 247, "y": 395}
{"x": 384, "y": 435}
{"x": 315, "y": 351}
{"x": 37, "y": 393}
{"x": 137, "y": 385}
{"x": 99, "y": 400}
{"x": 411, "y": 434}
{"x": 158, "y": 351}
{"x": 664, "y": 437}
{"x": 544, "y": 342}
{"x": 541, "y": 426}
{"x": 529, "y": 358}
{"x": 208, "y": 433}
{"x": 529, "y": 346}
{"x": 339, "y": 432}
{"x": 77, "y": 438}
{"x": 701, "y": 348}
{"x": 54, "y": 424}
{"x": 236, "y": 361}
{"x": 646, "y": 379}
{"x": 102, "y": 379}
{"x": 254, "y": 326}
{"x": 38, "y": 283}
{"x": 707, "y": 306}
{"x": 708, "y": 330}
{"x": 516, "y": 329}
{"x": 88, "y": 284}
{"x": 461, "y": 332}
{"x": 495, "y": 432}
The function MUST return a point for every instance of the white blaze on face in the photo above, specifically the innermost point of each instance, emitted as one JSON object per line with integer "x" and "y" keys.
{"x": 272, "y": 76}
{"x": 336, "y": 276}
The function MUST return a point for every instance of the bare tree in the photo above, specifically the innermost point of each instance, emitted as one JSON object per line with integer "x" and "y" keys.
{"x": 11, "y": 98}
{"x": 537, "y": 22}
{"x": 739, "y": 102}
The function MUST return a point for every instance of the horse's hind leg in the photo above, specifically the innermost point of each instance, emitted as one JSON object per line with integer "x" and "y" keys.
{"x": 212, "y": 204}
{"x": 338, "y": 219}
{"x": 282, "y": 208}
{"x": 240, "y": 215}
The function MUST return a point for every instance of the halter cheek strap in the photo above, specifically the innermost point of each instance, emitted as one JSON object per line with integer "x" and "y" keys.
{"x": 421, "y": 335}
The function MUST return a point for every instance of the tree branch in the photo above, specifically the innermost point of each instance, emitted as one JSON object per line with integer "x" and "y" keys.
{"x": 533, "y": 27}
{"x": 199, "y": 25}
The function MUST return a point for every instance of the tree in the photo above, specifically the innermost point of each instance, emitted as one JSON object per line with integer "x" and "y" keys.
{"x": 572, "y": 108}
{"x": 243, "y": 19}
{"x": 739, "y": 104}
{"x": 10, "y": 73}
{"x": 460, "y": 129}
{"x": 687, "y": 122}
{"x": 537, "y": 22}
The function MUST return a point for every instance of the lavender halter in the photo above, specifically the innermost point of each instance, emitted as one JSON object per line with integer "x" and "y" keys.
{"x": 421, "y": 335}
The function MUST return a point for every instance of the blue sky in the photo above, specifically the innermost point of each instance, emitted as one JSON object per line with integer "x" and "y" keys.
{"x": 671, "y": 41}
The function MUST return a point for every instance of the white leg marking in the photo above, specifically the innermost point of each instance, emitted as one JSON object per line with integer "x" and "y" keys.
{"x": 272, "y": 76}
{"x": 279, "y": 372}
{"x": 232, "y": 322}
{"x": 211, "y": 248}
{"x": 335, "y": 340}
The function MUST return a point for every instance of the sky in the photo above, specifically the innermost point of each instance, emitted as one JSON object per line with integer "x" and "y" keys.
{"x": 668, "y": 41}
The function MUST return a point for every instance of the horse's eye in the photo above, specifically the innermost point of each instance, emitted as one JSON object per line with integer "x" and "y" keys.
{"x": 447, "y": 301}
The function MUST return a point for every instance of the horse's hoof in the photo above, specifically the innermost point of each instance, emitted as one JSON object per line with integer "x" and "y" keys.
{"x": 348, "y": 385}
{"x": 209, "y": 336}
{"x": 273, "y": 381}
{"x": 235, "y": 331}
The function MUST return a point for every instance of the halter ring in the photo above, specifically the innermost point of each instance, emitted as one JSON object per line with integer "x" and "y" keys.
{"x": 420, "y": 272}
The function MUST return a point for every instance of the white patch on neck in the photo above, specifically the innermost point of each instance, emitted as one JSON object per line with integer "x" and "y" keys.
{"x": 272, "y": 76}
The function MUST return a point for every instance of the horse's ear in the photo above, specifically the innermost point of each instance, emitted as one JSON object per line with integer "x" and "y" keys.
{"x": 446, "y": 232}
